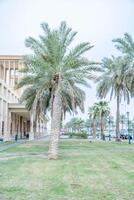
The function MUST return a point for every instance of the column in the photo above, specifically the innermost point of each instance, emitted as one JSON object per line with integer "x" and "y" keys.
{"x": 31, "y": 134}
{"x": 7, "y": 123}
{"x": 14, "y": 74}
{"x": 4, "y": 77}
{"x": 9, "y": 72}
{"x": 19, "y": 128}
{"x": 22, "y": 127}
{"x": 0, "y": 117}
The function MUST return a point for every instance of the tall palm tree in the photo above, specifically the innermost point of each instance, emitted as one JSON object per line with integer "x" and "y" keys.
{"x": 114, "y": 80}
{"x": 102, "y": 111}
{"x": 126, "y": 46}
{"x": 54, "y": 72}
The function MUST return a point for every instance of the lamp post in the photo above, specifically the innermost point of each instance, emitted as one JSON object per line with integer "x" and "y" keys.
{"x": 129, "y": 138}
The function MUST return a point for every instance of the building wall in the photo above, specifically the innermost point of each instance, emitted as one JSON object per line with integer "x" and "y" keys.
{"x": 14, "y": 121}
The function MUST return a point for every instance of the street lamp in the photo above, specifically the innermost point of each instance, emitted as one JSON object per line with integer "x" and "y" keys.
{"x": 129, "y": 137}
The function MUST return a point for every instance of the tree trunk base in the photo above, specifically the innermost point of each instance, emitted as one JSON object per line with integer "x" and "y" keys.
{"x": 52, "y": 157}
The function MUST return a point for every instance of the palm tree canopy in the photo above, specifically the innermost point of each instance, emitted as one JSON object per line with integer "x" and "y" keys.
{"x": 125, "y": 44}
{"x": 92, "y": 112}
{"x": 99, "y": 109}
{"x": 54, "y": 65}
{"x": 75, "y": 123}
{"x": 102, "y": 109}
{"x": 114, "y": 78}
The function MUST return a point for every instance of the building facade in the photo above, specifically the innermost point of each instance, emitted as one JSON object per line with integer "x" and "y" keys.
{"x": 15, "y": 119}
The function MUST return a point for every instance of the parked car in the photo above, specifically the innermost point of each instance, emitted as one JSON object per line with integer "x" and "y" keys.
{"x": 125, "y": 136}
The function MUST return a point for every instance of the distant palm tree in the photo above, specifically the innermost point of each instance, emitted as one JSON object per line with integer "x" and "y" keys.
{"x": 114, "y": 80}
{"x": 79, "y": 124}
{"x": 76, "y": 124}
{"x": 93, "y": 114}
{"x": 53, "y": 75}
{"x": 103, "y": 111}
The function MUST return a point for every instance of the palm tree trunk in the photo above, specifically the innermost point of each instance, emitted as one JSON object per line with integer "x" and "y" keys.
{"x": 55, "y": 126}
{"x": 102, "y": 128}
{"x": 118, "y": 117}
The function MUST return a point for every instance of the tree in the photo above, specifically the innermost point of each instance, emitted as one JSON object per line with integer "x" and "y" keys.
{"x": 75, "y": 124}
{"x": 126, "y": 46}
{"x": 93, "y": 114}
{"x": 114, "y": 80}
{"x": 102, "y": 111}
{"x": 79, "y": 124}
{"x": 53, "y": 73}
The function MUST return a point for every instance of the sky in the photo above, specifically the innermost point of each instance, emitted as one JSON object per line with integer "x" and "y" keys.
{"x": 97, "y": 22}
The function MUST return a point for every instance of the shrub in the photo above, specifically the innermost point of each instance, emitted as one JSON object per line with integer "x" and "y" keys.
{"x": 71, "y": 134}
{"x": 82, "y": 135}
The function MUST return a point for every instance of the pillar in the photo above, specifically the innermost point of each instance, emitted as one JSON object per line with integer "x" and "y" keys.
{"x": 7, "y": 124}
{"x": 14, "y": 76}
{"x": 4, "y": 77}
{"x": 9, "y": 74}
{"x": 31, "y": 134}
{"x": 0, "y": 117}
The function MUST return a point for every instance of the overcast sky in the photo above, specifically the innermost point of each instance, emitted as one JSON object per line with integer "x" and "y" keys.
{"x": 97, "y": 21}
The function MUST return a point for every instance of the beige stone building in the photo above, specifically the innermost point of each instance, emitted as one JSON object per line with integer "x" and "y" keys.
{"x": 14, "y": 117}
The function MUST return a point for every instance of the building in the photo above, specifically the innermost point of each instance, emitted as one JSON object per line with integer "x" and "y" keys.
{"x": 15, "y": 119}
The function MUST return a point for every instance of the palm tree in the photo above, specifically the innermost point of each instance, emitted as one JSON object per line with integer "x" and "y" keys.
{"x": 54, "y": 72}
{"x": 76, "y": 124}
{"x": 126, "y": 46}
{"x": 103, "y": 111}
{"x": 114, "y": 80}
{"x": 79, "y": 124}
{"x": 93, "y": 114}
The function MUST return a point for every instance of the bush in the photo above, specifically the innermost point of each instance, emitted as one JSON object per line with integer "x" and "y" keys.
{"x": 71, "y": 134}
{"x": 81, "y": 135}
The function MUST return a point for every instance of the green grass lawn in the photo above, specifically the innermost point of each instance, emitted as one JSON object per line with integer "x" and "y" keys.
{"x": 84, "y": 171}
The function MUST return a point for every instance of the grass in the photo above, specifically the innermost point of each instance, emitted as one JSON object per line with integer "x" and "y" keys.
{"x": 5, "y": 143}
{"x": 85, "y": 171}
